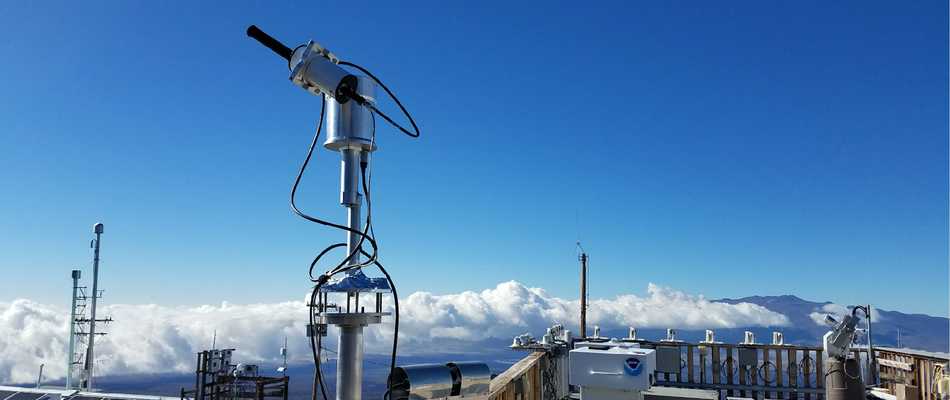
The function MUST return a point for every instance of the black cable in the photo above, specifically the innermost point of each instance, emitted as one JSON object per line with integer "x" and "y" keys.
{"x": 392, "y": 361}
{"x": 392, "y": 96}
{"x": 293, "y": 202}
{"x": 367, "y": 235}
{"x": 765, "y": 366}
{"x": 314, "y": 336}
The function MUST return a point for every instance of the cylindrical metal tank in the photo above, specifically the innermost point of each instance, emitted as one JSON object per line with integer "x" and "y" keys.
{"x": 423, "y": 381}
{"x": 470, "y": 378}
{"x": 843, "y": 380}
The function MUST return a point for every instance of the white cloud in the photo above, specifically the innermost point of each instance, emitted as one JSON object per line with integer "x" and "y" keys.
{"x": 152, "y": 338}
{"x": 837, "y": 311}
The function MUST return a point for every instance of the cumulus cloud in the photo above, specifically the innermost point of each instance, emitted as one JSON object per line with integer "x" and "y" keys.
{"x": 837, "y": 311}
{"x": 152, "y": 338}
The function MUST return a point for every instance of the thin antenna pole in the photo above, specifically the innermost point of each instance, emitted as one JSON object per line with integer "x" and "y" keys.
{"x": 214, "y": 339}
{"x": 90, "y": 350}
{"x": 39, "y": 378}
{"x": 583, "y": 259}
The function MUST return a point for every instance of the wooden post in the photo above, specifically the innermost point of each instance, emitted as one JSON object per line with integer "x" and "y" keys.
{"x": 754, "y": 378}
{"x": 792, "y": 371}
{"x": 716, "y": 364}
{"x": 689, "y": 363}
{"x": 702, "y": 364}
{"x": 806, "y": 372}
{"x": 779, "y": 367}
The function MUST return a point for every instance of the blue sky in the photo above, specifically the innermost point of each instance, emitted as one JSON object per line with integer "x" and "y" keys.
{"x": 723, "y": 149}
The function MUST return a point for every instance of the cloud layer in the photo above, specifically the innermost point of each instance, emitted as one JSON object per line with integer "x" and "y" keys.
{"x": 152, "y": 338}
{"x": 838, "y": 311}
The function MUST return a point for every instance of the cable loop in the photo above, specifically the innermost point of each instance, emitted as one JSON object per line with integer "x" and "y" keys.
{"x": 392, "y": 96}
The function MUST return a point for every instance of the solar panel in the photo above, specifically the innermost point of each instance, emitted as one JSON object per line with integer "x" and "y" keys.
{"x": 5, "y": 393}
{"x": 84, "y": 398}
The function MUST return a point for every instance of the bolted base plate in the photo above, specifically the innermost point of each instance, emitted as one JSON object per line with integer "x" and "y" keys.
{"x": 351, "y": 319}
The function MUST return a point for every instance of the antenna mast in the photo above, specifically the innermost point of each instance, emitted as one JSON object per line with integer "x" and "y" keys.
{"x": 72, "y": 330}
{"x": 90, "y": 360}
{"x": 583, "y": 258}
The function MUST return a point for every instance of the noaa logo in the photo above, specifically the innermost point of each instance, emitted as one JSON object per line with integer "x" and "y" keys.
{"x": 632, "y": 366}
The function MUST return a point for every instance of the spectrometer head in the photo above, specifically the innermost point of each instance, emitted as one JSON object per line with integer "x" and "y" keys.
{"x": 312, "y": 67}
{"x": 97, "y": 228}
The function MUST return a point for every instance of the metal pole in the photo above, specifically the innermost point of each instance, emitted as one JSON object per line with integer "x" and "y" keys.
{"x": 583, "y": 259}
{"x": 349, "y": 372}
{"x": 350, "y": 198}
{"x": 39, "y": 379}
{"x": 350, "y": 132}
{"x": 872, "y": 358}
{"x": 349, "y": 368}
{"x": 90, "y": 351}
{"x": 72, "y": 331}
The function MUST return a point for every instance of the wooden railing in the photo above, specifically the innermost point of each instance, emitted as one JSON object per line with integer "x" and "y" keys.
{"x": 521, "y": 381}
{"x": 913, "y": 369}
{"x": 757, "y": 371}
{"x": 786, "y": 372}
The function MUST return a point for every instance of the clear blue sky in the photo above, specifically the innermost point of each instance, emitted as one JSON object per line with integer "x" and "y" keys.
{"x": 725, "y": 149}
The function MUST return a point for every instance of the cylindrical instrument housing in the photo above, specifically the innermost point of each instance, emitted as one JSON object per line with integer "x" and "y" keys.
{"x": 421, "y": 382}
{"x": 350, "y": 125}
{"x": 316, "y": 72}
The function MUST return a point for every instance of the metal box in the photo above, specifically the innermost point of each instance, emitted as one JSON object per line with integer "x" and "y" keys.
{"x": 612, "y": 368}
{"x": 668, "y": 359}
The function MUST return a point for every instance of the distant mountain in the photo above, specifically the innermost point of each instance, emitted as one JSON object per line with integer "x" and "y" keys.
{"x": 918, "y": 331}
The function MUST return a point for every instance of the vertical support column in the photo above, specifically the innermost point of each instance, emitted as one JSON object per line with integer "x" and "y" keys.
{"x": 351, "y": 199}
{"x": 90, "y": 350}
{"x": 583, "y": 259}
{"x": 349, "y": 369}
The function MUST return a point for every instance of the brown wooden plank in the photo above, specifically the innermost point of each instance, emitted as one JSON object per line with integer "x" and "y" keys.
{"x": 702, "y": 364}
{"x": 499, "y": 387}
{"x": 792, "y": 369}
{"x": 716, "y": 364}
{"x": 779, "y": 367}
{"x": 896, "y": 364}
{"x": 807, "y": 362}
{"x": 754, "y": 379}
